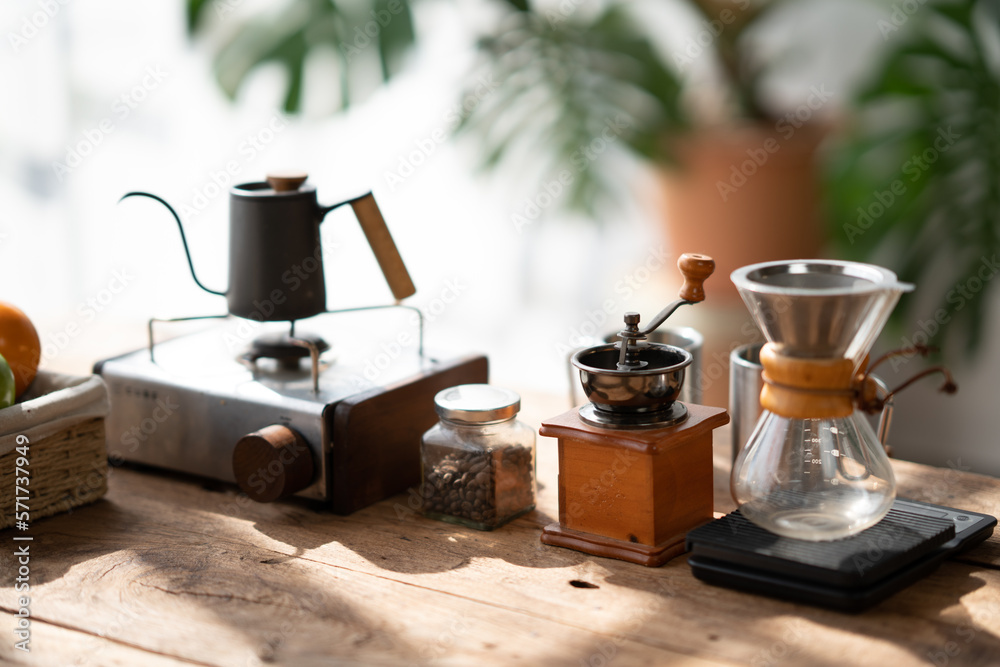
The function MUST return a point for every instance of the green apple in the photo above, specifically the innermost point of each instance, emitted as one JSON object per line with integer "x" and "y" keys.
{"x": 6, "y": 384}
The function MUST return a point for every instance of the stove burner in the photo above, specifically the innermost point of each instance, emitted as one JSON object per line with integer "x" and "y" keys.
{"x": 671, "y": 416}
{"x": 287, "y": 350}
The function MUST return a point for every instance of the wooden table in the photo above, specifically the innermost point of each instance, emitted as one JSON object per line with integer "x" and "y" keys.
{"x": 171, "y": 570}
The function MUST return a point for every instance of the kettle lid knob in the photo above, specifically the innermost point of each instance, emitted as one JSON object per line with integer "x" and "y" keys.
{"x": 286, "y": 181}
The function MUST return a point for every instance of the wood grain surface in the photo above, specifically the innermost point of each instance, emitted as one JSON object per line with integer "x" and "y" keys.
{"x": 173, "y": 570}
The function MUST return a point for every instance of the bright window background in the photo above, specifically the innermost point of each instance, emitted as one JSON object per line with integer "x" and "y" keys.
{"x": 512, "y": 294}
{"x": 65, "y": 235}
{"x": 521, "y": 297}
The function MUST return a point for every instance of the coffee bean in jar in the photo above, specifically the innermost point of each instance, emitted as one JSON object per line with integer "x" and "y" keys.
{"x": 478, "y": 461}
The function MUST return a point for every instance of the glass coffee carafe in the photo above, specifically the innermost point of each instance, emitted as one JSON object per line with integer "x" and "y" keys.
{"x": 813, "y": 468}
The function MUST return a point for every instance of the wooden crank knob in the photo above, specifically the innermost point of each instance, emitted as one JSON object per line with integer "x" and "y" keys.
{"x": 286, "y": 181}
{"x": 272, "y": 463}
{"x": 695, "y": 269}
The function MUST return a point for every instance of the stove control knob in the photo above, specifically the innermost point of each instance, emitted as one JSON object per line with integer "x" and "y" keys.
{"x": 272, "y": 463}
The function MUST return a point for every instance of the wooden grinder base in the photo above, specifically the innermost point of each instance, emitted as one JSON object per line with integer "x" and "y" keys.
{"x": 632, "y": 494}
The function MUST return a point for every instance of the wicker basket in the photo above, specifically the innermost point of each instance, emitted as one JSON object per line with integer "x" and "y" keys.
{"x": 63, "y": 419}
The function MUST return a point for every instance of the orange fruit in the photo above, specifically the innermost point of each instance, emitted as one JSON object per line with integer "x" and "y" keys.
{"x": 19, "y": 345}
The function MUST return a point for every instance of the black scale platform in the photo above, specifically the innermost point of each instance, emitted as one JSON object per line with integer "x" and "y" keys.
{"x": 849, "y": 574}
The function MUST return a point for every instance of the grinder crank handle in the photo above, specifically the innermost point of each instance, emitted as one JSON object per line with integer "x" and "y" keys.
{"x": 380, "y": 240}
{"x": 696, "y": 269}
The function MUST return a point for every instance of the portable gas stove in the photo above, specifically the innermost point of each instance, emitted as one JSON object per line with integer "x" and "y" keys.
{"x": 335, "y": 415}
{"x": 239, "y": 403}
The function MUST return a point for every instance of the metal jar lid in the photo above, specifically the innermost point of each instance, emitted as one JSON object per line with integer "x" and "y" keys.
{"x": 476, "y": 403}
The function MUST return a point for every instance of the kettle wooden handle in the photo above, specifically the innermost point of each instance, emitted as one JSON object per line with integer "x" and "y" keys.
{"x": 695, "y": 269}
{"x": 379, "y": 238}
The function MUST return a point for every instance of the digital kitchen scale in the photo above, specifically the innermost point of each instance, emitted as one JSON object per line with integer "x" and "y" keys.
{"x": 849, "y": 574}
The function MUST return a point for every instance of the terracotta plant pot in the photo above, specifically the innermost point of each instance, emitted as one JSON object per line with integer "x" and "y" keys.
{"x": 742, "y": 195}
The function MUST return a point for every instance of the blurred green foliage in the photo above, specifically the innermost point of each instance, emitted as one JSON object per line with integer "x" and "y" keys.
{"x": 563, "y": 72}
{"x": 567, "y": 72}
{"x": 916, "y": 184}
{"x": 289, "y": 33}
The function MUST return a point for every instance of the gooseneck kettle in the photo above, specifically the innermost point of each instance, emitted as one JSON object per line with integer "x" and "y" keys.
{"x": 275, "y": 256}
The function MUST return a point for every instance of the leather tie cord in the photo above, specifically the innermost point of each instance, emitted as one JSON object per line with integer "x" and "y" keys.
{"x": 800, "y": 388}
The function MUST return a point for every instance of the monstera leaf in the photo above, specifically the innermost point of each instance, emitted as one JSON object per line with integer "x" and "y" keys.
{"x": 567, "y": 88}
{"x": 288, "y": 35}
{"x": 917, "y": 187}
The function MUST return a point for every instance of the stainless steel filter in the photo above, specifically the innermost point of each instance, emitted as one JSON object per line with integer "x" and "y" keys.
{"x": 815, "y": 308}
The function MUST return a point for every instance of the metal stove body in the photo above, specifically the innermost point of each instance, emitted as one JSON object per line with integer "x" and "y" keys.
{"x": 189, "y": 406}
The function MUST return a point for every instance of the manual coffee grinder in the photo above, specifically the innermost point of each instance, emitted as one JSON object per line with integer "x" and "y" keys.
{"x": 635, "y": 464}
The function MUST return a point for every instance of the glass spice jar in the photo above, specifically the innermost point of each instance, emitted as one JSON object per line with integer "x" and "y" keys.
{"x": 478, "y": 461}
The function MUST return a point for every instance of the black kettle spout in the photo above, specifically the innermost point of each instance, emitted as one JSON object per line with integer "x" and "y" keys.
{"x": 180, "y": 226}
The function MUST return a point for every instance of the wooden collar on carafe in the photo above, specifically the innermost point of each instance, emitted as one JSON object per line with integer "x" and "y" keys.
{"x": 810, "y": 388}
